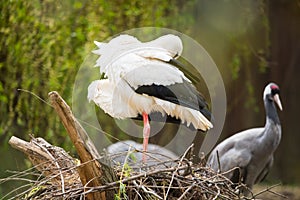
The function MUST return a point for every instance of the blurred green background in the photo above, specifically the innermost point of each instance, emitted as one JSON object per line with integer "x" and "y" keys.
{"x": 43, "y": 44}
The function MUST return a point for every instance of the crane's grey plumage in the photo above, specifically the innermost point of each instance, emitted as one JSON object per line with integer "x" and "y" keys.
{"x": 251, "y": 150}
{"x": 118, "y": 152}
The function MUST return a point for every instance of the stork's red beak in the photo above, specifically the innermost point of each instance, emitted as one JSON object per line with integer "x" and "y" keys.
{"x": 277, "y": 101}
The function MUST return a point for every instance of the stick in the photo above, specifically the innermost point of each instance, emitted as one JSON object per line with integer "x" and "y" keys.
{"x": 186, "y": 191}
{"x": 125, "y": 180}
{"x": 219, "y": 163}
{"x": 49, "y": 160}
{"x": 179, "y": 163}
{"x": 85, "y": 148}
{"x": 269, "y": 189}
{"x": 56, "y": 164}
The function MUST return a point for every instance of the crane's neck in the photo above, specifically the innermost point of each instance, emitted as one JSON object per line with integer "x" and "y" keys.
{"x": 271, "y": 112}
{"x": 272, "y": 134}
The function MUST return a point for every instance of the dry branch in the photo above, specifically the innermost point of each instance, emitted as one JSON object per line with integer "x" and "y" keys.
{"x": 50, "y": 160}
{"x": 90, "y": 172}
{"x": 58, "y": 170}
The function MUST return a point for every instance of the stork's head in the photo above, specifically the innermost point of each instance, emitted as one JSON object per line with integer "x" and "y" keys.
{"x": 271, "y": 93}
{"x": 170, "y": 42}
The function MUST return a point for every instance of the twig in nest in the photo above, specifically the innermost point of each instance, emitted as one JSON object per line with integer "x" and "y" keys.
{"x": 147, "y": 190}
{"x": 269, "y": 189}
{"x": 56, "y": 163}
{"x": 186, "y": 191}
{"x": 219, "y": 163}
{"x": 179, "y": 163}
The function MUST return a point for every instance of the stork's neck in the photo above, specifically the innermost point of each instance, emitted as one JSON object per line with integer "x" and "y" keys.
{"x": 271, "y": 112}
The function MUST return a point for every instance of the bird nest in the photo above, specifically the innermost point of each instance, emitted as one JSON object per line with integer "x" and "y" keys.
{"x": 57, "y": 177}
{"x": 172, "y": 179}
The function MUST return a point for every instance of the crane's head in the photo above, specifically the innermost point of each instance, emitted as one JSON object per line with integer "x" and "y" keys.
{"x": 271, "y": 93}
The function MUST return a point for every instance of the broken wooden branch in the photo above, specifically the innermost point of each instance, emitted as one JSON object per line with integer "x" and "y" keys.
{"x": 50, "y": 160}
{"x": 54, "y": 162}
{"x": 91, "y": 173}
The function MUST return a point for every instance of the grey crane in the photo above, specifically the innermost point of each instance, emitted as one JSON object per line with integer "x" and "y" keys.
{"x": 251, "y": 150}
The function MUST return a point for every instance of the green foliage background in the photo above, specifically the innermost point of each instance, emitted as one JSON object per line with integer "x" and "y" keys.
{"x": 43, "y": 43}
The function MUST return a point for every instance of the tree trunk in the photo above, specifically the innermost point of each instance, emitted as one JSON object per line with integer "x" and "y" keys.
{"x": 284, "y": 19}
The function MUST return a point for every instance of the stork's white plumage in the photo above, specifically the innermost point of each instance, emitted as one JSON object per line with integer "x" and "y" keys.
{"x": 251, "y": 150}
{"x": 142, "y": 78}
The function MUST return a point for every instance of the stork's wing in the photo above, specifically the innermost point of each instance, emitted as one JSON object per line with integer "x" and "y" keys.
{"x": 188, "y": 70}
{"x": 164, "y": 81}
{"x": 147, "y": 72}
{"x": 184, "y": 94}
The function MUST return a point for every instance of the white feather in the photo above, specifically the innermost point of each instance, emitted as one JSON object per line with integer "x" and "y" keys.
{"x": 148, "y": 72}
{"x": 99, "y": 44}
{"x": 185, "y": 114}
{"x": 118, "y": 49}
{"x": 170, "y": 43}
{"x": 99, "y": 92}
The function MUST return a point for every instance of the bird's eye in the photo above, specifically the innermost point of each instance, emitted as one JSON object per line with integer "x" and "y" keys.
{"x": 275, "y": 91}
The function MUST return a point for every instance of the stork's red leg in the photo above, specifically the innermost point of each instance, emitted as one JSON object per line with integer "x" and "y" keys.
{"x": 146, "y": 134}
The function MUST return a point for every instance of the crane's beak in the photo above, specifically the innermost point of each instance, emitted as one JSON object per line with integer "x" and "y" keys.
{"x": 277, "y": 100}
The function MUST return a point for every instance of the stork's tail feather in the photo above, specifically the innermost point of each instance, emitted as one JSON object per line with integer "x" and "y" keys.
{"x": 98, "y": 44}
{"x": 92, "y": 90}
{"x": 100, "y": 92}
{"x": 187, "y": 115}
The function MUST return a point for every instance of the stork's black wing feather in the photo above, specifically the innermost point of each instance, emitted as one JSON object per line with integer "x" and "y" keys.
{"x": 187, "y": 69}
{"x": 184, "y": 94}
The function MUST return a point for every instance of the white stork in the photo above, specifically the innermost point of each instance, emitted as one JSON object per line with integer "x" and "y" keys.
{"x": 142, "y": 78}
{"x": 251, "y": 150}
